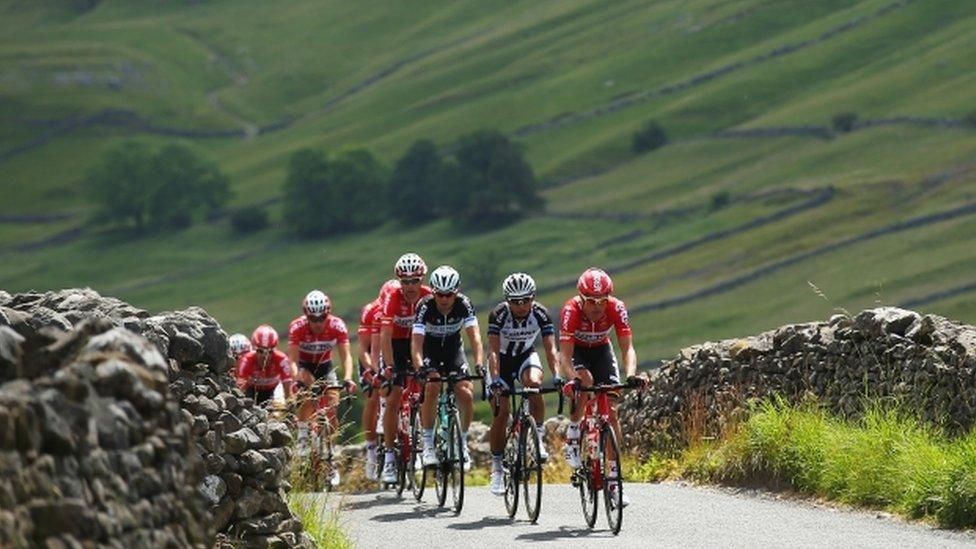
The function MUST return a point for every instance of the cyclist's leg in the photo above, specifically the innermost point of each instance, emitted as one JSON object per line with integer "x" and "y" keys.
{"x": 606, "y": 371}
{"x": 306, "y": 376}
{"x": 530, "y": 373}
{"x": 496, "y": 436}
{"x": 428, "y": 409}
{"x": 370, "y": 411}
{"x": 329, "y": 402}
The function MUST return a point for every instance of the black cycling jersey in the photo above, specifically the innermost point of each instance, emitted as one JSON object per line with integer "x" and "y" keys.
{"x": 442, "y": 332}
{"x": 518, "y": 335}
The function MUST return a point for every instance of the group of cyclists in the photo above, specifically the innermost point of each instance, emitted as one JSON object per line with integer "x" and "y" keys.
{"x": 413, "y": 329}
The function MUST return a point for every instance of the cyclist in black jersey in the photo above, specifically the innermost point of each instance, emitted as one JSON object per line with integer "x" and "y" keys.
{"x": 514, "y": 325}
{"x": 436, "y": 345}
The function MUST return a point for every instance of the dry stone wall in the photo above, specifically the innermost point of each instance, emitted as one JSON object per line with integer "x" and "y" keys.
{"x": 121, "y": 428}
{"x": 925, "y": 362}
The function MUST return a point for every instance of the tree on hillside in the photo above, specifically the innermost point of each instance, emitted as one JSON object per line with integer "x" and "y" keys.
{"x": 498, "y": 183}
{"x": 648, "y": 138}
{"x": 187, "y": 185}
{"x": 359, "y": 190}
{"x": 480, "y": 269}
{"x": 306, "y": 193}
{"x": 417, "y": 175}
{"x": 844, "y": 122}
{"x": 121, "y": 185}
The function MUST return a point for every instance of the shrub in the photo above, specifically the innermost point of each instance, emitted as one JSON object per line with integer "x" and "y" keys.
{"x": 720, "y": 200}
{"x": 649, "y": 138}
{"x": 844, "y": 122}
{"x": 249, "y": 219}
{"x": 970, "y": 119}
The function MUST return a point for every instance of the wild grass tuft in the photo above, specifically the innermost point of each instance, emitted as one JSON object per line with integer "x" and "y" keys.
{"x": 319, "y": 521}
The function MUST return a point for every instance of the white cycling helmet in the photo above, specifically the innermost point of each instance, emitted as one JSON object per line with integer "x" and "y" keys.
{"x": 518, "y": 285}
{"x": 445, "y": 280}
{"x": 409, "y": 266}
{"x": 316, "y": 303}
{"x": 239, "y": 344}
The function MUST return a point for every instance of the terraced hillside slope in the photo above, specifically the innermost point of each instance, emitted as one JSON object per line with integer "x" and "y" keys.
{"x": 756, "y": 214}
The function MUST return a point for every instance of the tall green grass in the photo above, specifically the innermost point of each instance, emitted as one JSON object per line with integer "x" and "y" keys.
{"x": 886, "y": 459}
{"x": 319, "y": 521}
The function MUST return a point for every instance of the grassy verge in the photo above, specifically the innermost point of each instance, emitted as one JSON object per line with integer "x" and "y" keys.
{"x": 887, "y": 459}
{"x": 319, "y": 521}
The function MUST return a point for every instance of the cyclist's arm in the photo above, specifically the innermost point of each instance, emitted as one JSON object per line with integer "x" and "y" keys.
{"x": 478, "y": 352}
{"x": 552, "y": 354}
{"x": 293, "y": 359}
{"x": 365, "y": 356}
{"x": 376, "y": 343}
{"x": 345, "y": 354}
{"x": 417, "y": 350}
{"x": 629, "y": 354}
{"x": 566, "y": 359}
{"x": 494, "y": 347}
{"x": 386, "y": 335}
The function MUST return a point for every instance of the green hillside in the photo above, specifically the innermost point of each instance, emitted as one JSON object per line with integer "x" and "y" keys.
{"x": 720, "y": 233}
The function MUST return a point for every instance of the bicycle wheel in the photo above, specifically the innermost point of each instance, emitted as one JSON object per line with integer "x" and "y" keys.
{"x": 531, "y": 468}
{"x": 512, "y": 466}
{"x": 587, "y": 481}
{"x": 440, "y": 470}
{"x": 416, "y": 469}
{"x": 612, "y": 498}
{"x": 325, "y": 454}
{"x": 455, "y": 473}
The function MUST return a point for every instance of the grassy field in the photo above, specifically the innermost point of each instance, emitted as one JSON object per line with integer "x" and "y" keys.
{"x": 380, "y": 74}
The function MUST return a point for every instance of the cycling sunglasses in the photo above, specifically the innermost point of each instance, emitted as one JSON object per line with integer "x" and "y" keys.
{"x": 264, "y": 350}
{"x": 315, "y": 318}
{"x": 594, "y": 300}
{"x": 520, "y": 300}
{"x": 448, "y": 294}
{"x": 410, "y": 281}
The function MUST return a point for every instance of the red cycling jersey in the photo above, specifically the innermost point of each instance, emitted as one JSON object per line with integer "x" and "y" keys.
{"x": 573, "y": 326}
{"x": 369, "y": 319}
{"x": 317, "y": 348}
{"x": 397, "y": 312}
{"x": 261, "y": 374}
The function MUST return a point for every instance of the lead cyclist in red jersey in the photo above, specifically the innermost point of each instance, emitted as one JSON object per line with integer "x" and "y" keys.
{"x": 396, "y": 325}
{"x": 369, "y": 366}
{"x": 311, "y": 338}
{"x": 587, "y": 355}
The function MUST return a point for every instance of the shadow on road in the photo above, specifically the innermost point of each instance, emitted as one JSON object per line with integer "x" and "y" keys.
{"x": 375, "y": 502}
{"x": 418, "y": 512}
{"x": 486, "y": 522}
{"x": 564, "y": 532}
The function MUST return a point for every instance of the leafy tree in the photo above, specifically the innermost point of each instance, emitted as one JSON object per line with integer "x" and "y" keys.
{"x": 249, "y": 219}
{"x": 306, "y": 193}
{"x": 121, "y": 185}
{"x": 480, "y": 270}
{"x": 648, "y": 138}
{"x": 844, "y": 122}
{"x": 499, "y": 184}
{"x": 358, "y": 190}
{"x": 187, "y": 185}
{"x": 970, "y": 119}
{"x": 418, "y": 172}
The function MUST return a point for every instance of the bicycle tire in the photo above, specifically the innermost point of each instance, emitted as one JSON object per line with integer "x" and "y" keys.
{"x": 613, "y": 499}
{"x": 456, "y": 463}
{"x": 440, "y": 470}
{"x": 512, "y": 471}
{"x": 531, "y": 468}
{"x": 587, "y": 482}
{"x": 418, "y": 481}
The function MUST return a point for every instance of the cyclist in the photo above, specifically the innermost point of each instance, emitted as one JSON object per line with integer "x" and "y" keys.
{"x": 398, "y": 315}
{"x": 311, "y": 338}
{"x": 514, "y": 325}
{"x": 586, "y": 352}
{"x": 239, "y": 345}
{"x": 262, "y": 369}
{"x": 369, "y": 367}
{"x": 436, "y": 344}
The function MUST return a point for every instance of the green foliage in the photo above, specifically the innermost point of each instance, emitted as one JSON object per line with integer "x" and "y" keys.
{"x": 480, "y": 270}
{"x": 167, "y": 189}
{"x": 490, "y": 182}
{"x": 720, "y": 200}
{"x": 649, "y": 138}
{"x": 320, "y": 522}
{"x": 844, "y": 122}
{"x": 328, "y": 196}
{"x": 415, "y": 182}
{"x": 886, "y": 459}
{"x": 249, "y": 219}
{"x": 970, "y": 119}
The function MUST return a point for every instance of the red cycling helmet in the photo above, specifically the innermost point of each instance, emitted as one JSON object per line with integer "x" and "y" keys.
{"x": 594, "y": 283}
{"x": 264, "y": 337}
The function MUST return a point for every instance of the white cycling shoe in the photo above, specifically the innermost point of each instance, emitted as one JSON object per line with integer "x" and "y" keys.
{"x": 334, "y": 481}
{"x": 543, "y": 453}
{"x": 371, "y": 468}
{"x": 624, "y": 499}
{"x": 572, "y": 453}
{"x": 498, "y": 483}
{"x": 467, "y": 460}
{"x": 389, "y": 472}
{"x": 430, "y": 456}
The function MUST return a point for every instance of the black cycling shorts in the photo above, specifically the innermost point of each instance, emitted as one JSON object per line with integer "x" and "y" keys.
{"x": 446, "y": 361}
{"x": 259, "y": 396}
{"x": 402, "y": 361}
{"x": 600, "y": 361}
{"x": 511, "y": 368}
{"x": 323, "y": 372}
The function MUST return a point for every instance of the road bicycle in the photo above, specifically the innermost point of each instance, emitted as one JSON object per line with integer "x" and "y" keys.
{"x": 522, "y": 461}
{"x": 600, "y": 457}
{"x": 448, "y": 442}
{"x": 322, "y": 451}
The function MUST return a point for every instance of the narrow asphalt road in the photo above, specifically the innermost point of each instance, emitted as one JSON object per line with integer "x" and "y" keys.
{"x": 661, "y": 515}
